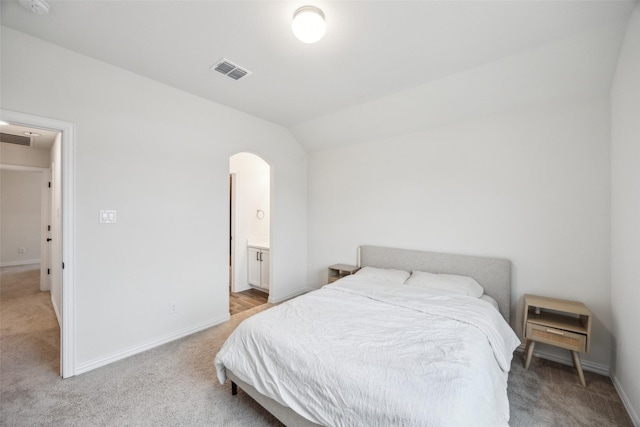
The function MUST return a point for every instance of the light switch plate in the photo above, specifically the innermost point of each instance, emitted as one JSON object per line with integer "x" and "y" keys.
{"x": 108, "y": 217}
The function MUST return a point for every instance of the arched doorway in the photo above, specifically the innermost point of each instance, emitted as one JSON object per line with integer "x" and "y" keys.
{"x": 249, "y": 225}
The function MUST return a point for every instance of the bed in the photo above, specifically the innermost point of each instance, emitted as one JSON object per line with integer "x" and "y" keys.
{"x": 380, "y": 349}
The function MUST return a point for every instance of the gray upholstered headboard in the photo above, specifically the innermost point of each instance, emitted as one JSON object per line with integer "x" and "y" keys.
{"x": 493, "y": 274}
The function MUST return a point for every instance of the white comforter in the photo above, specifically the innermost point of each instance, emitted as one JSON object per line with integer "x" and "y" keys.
{"x": 362, "y": 353}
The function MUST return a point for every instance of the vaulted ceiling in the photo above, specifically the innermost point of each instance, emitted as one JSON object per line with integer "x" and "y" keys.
{"x": 378, "y": 59}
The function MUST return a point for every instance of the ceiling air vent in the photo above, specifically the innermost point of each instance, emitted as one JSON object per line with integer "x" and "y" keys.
{"x": 230, "y": 69}
{"x": 15, "y": 139}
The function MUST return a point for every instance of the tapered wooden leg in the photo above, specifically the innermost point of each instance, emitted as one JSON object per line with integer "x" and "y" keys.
{"x": 576, "y": 362}
{"x": 529, "y": 352}
{"x": 234, "y": 388}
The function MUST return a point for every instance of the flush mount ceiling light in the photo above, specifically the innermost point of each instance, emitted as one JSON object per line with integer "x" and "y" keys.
{"x": 308, "y": 24}
{"x": 39, "y": 7}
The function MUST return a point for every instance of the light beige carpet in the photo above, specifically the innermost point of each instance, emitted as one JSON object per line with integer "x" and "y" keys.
{"x": 550, "y": 394}
{"x": 175, "y": 384}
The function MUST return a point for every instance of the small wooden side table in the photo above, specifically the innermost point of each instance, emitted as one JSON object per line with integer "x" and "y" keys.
{"x": 562, "y": 323}
{"x": 338, "y": 271}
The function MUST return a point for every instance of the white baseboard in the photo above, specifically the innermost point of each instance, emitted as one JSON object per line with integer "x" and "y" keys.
{"x": 635, "y": 419}
{"x": 587, "y": 365}
{"x": 23, "y": 262}
{"x": 55, "y": 308}
{"x": 242, "y": 288}
{"x": 288, "y": 296}
{"x": 94, "y": 364}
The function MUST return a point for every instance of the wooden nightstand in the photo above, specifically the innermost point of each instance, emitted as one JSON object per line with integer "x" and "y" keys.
{"x": 562, "y": 323}
{"x": 338, "y": 271}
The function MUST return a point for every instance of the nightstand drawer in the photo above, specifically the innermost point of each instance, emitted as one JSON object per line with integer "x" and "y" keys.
{"x": 557, "y": 337}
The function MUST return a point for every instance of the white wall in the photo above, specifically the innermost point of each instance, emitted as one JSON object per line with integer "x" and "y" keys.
{"x": 160, "y": 157}
{"x": 253, "y": 186}
{"x": 20, "y": 194}
{"x": 625, "y": 216}
{"x": 12, "y": 154}
{"x": 531, "y": 186}
{"x": 508, "y": 159}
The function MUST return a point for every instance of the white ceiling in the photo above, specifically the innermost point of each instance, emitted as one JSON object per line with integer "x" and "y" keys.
{"x": 372, "y": 50}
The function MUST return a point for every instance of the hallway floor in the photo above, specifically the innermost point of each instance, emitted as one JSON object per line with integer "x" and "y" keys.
{"x": 245, "y": 300}
{"x": 29, "y": 332}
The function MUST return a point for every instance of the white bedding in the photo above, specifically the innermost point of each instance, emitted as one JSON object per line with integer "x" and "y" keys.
{"x": 363, "y": 353}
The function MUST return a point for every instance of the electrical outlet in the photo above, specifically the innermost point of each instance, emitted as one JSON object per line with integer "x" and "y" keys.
{"x": 173, "y": 307}
{"x": 21, "y": 250}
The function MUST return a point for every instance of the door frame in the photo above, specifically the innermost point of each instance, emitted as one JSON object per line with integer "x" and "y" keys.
{"x": 68, "y": 170}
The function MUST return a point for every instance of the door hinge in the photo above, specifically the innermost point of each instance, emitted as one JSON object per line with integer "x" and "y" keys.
{"x": 48, "y": 228}
{"x": 48, "y": 271}
{"x": 63, "y": 265}
{"x": 49, "y": 184}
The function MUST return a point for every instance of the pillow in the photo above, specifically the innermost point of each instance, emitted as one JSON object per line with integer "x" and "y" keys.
{"x": 463, "y": 285}
{"x": 383, "y": 274}
{"x": 491, "y": 301}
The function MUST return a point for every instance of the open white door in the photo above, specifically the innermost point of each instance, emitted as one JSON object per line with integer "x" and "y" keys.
{"x": 48, "y": 238}
{"x": 55, "y": 235}
{"x": 45, "y": 227}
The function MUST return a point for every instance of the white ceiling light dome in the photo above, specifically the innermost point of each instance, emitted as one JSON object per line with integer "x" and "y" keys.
{"x": 308, "y": 24}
